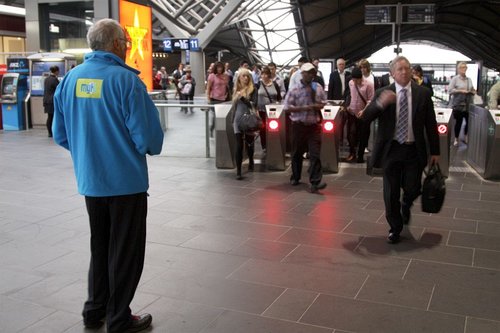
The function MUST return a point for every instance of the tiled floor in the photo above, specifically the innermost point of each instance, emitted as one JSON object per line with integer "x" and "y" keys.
{"x": 252, "y": 256}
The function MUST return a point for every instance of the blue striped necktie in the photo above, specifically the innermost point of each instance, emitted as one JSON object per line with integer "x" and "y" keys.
{"x": 402, "y": 126}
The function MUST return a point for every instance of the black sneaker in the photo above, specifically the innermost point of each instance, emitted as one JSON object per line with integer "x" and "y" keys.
{"x": 294, "y": 182}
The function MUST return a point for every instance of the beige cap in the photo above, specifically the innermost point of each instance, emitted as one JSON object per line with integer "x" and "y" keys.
{"x": 307, "y": 67}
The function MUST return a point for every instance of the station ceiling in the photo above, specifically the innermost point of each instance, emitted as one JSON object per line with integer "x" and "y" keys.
{"x": 336, "y": 28}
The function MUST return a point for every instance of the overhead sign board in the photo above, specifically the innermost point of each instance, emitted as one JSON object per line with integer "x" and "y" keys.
{"x": 181, "y": 44}
{"x": 378, "y": 14}
{"x": 423, "y": 14}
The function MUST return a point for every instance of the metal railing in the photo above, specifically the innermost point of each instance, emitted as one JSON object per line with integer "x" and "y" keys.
{"x": 164, "y": 105}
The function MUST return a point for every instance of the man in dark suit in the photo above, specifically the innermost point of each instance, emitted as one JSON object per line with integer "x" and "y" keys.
{"x": 406, "y": 119}
{"x": 338, "y": 89}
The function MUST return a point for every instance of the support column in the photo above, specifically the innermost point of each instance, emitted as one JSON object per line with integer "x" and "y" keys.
{"x": 197, "y": 63}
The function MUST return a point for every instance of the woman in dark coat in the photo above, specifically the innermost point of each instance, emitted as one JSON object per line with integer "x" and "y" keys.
{"x": 50, "y": 86}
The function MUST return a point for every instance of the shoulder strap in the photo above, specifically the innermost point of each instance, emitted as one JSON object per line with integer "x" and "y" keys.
{"x": 267, "y": 92}
{"x": 359, "y": 93}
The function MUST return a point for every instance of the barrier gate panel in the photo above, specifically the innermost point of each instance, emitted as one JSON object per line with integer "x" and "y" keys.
{"x": 225, "y": 141}
{"x": 276, "y": 137}
{"x": 443, "y": 119}
{"x": 329, "y": 154}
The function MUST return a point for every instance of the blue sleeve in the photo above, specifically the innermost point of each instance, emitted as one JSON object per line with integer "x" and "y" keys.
{"x": 143, "y": 122}
{"x": 58, "y": 128}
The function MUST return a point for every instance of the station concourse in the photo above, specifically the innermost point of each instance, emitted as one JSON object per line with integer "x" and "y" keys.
{"x": 251, "y": 256}
{"x": 258, "y": 255}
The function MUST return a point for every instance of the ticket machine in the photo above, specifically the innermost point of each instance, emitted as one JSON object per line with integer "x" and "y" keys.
{"x": 14, "y": 89}
{"x": 40, "y": 64}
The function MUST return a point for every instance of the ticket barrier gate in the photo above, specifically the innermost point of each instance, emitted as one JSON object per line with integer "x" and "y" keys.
{"x": 444, "y": 123}
{"x": 329, "y": 154}
{"x": 275, "y": 137}
{"x": 483, "y": 152}
{"x": 225, "y": 141}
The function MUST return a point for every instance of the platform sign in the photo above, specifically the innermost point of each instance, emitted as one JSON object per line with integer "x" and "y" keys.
{"x": 420, "y": 14}
{"x": 181, "y": 44}
{"x": 378, "y": 14}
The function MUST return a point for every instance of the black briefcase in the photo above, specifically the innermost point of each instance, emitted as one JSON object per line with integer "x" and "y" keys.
{"x": 433, "y": 190}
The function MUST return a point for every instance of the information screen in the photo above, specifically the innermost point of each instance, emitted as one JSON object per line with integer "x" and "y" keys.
{"x": 378, "y": 14}
{"x": 421, "y": 14}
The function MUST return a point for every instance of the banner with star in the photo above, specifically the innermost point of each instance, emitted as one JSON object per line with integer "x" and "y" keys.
{"x": 136, "y": 19}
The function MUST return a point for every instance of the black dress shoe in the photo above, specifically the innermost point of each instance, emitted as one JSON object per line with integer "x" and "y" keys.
{"x": 316, "y": 187}
{"x": 239, "y": 177}
{"x": 393, "y": 238}
{"x": 139, "y": 323}
{"x": 93, "y": 325}
{"x": 294, "y": 182}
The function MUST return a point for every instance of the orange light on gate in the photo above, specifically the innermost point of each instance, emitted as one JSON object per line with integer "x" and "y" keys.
{"x": 328, "y": 126}
{"x": 273, "y": 125}
{"x": 442, "y": 129}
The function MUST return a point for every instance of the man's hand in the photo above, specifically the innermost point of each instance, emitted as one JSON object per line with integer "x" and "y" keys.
{"x": 434, "y": 160}
{"x": 386, "y": 98}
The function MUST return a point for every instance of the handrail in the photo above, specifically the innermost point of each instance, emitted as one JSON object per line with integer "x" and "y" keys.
{"x": 203, "y": 107}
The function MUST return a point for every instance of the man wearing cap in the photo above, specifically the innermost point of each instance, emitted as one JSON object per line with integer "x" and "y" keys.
{"x": 407, "y": 134}
{"x": 361, "y": 93}
{"x": 304, "y": 104}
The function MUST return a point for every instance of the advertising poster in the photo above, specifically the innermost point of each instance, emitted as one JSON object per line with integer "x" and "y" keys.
{"x": 136, "y": 19}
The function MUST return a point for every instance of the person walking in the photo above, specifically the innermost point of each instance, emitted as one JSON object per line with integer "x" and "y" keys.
{"x": 244, "y": 98}
{"x": 50, "y": 85}
{"x": 407, "y": 126}
{"x": 461, "y": 93}
{"x": 304, "y": 104}
{"x": 105, "y": 118}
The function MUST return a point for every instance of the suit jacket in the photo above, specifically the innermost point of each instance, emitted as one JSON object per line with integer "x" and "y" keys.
{"x": 335, "y": 86}
{"x": 424, "y": 125}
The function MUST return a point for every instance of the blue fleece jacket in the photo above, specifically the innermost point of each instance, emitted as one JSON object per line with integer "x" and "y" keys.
{"x": 105, "y": 118}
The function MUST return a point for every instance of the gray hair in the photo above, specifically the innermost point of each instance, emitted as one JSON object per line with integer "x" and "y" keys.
{"x": 394, "y": 61}
{"x": 103, "y": 33}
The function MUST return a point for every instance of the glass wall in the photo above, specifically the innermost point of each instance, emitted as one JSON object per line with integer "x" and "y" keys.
{"x": 69, "y": 19}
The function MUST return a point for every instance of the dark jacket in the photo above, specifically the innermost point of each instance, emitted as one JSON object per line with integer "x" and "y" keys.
{"x": 424, "y": 125}
{"x": 50, "y": 86}
{"x": 335, "y": 86}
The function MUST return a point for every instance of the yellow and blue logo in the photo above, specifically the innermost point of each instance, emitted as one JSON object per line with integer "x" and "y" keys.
{"x": 89, "y": 88}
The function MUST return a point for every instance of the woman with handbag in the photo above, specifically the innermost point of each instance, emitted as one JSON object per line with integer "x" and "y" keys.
{"x": 461, "y": 92}
{"x": 244, "y": 94}
{"x": 268, "y": 92}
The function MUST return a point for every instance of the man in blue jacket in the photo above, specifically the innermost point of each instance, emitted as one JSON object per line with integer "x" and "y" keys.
{"x": 105, "y": 118}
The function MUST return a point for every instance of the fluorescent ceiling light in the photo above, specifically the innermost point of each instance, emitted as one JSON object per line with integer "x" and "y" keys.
{"x": 12, "y": 10}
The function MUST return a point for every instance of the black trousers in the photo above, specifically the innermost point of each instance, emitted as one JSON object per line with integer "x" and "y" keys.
{"x": 364, "y": 135}
{"x": 262, "y": 132}
{"x": 50, "y": 118}
{"x": 117, "y": 245}
{"x": 354, "y": 128}
{"x": 402, "y": 170}
{"x": 249, "y": 140}
{"x": 306, "y": 138}
{"x": 460, "y": 116}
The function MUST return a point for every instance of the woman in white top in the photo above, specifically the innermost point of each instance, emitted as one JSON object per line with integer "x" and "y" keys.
{"x": 461, "y": 92}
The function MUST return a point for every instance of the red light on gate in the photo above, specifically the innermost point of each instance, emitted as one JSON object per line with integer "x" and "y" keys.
{"x": 442, "y": 129}
{"x": 273, "y": 125}
{"x": 328, "y": 126}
